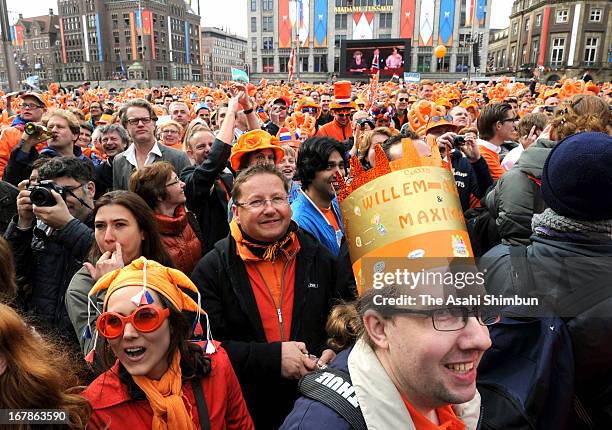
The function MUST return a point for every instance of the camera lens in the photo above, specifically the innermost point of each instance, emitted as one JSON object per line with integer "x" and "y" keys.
{"x": 42, "y": 197}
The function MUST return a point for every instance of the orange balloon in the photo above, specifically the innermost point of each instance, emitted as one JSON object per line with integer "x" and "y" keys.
{"x": 440, "y": 51}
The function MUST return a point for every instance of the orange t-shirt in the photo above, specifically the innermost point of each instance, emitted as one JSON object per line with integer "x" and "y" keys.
{"x": 446, "y": 416}
{"x": 330, "y": 216}
{"x": 492, "y": 159}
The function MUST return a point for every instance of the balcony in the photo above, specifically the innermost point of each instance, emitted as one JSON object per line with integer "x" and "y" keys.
{"x": 594, "y": 65}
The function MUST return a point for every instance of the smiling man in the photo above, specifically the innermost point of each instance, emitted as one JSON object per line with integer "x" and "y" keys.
{"x": 268, "y": 288}
{"x": 316, "y": 210}
{"x": 342, "y": 108}
{"x": 138, "y": 118}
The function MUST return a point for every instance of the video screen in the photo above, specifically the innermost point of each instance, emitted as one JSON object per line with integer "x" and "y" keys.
{"x": 366, "y": 57}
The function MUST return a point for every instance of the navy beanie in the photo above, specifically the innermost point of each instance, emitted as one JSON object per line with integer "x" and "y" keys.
{"x": 577, "y": 177}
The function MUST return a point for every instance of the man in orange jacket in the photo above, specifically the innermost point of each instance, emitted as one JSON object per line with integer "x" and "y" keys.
{"x": 32, "y": 109}
{"x": 342, "y": 108}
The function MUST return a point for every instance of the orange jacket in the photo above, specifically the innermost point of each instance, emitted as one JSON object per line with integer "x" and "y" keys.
{"x": 180, "y": 240}
{"x": 333, "y": 129}
{"x": 492, "y": 159}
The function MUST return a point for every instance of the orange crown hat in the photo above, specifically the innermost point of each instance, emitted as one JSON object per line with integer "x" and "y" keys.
{"x": 105, "y": 119}
{"x": 170, "y": 283}
{"x": 592, "y": 87}
{"x": 438, "y": 118}
{"x": 468, "y": 104}
{"x": 255, "y": 140}
{"x": 301, "y": 124}
{"x": 443, "y": 101}
{"x": 343, "y": 96}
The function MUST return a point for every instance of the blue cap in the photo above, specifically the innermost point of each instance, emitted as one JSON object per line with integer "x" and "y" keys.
{"x": 201, "y": 105}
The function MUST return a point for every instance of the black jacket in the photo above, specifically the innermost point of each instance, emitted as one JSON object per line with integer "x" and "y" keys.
{"x": 324, "y": 119}
{"x": 228, "y": 298}
{"x": 574, "y": 276}
{"x": 48, "y": 266}
{"x": 8, "y": 204}
{"x": 207, "y": 198}
{"x": 471, "y": 178}
{"x": 103, "y": 177}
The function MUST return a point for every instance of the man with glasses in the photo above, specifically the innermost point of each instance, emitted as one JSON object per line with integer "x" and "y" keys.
{"x": 413, "y": 364}
{"x": 342, "y": 108}
{"x": 401, "y": 110}
{"x": 268, "y": 288}
{"x": 138, "y": 118}
{"x": 496, "y": 125}
{"x": 316, "y": 210}
{"x": 50, "y": 242}
{"x": 32, "y": 109}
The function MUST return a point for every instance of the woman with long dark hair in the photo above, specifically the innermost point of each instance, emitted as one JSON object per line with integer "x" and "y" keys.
{"x": 147, "y": 318}
{"x": 125, "y": 229}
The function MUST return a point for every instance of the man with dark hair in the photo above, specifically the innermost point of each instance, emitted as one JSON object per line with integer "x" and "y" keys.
{"x": 114, "y": 139}
{"x": 95, "y": 112}
{"x": 401, "y": 110}
{"x": 51, "y": 237}
{"x": 138, "y": 118}
{"x": 316, "y": 210}
{"x": 326, "y": 115}
{"x": 268, "y": 288}
{"x": 496, "y": 124}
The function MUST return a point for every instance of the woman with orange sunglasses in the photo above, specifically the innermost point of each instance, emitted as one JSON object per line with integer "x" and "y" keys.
{"x": 160, "y": 379}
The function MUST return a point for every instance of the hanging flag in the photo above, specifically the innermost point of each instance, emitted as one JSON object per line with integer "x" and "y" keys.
{"x": 304, "y": 23}
{"x": 363, "y": 25}
{"x": 18, "y": 35}
{"x": 284, "y": 24}
{"x": 64, "y": 59}
{"x": 99, "y": 38}
{"x": 147, "y": 22}
{"x": 480, "y": 12}
{"x": 320, "y": 24}
{"x": 121, "y": 63}
{"x": 447, "y": 19}
{"x": 426, "y": 21}
{"x": 407, "y": 19}
{"x": 187, "y": 42}
{"x": 544, "y": 36}
{"x": 469, "y": 12}
{"x": 133, "y": 34}
{"x": 290, "y": 66}
{"x": 293, "y": 12}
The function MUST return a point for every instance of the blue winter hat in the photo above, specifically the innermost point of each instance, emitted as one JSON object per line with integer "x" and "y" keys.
{"x": 577, "y": 177}
{"x": 201, "y": 105}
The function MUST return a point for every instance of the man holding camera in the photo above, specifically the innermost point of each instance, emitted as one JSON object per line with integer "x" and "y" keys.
{"x": 61, "y": 131}
{"x": 50, "y": 237}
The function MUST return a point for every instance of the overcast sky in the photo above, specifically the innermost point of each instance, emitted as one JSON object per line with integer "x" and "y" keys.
{"x": 230, "y": 14}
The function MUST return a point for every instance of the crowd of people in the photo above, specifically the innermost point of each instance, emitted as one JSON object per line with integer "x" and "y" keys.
{"x": 176, "y": 258}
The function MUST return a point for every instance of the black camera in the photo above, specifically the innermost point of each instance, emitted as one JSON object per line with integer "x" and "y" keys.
{"x": 40, "y": 195}
{"x": 458, "y": 141}
{"x": 550, "y": 109}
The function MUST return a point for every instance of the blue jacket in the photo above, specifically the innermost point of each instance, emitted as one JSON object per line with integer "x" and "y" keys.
{"x": 308, "y": 414}
{"x": 310, "y": 218}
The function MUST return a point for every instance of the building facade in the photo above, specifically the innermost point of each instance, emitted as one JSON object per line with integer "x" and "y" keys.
{"x": 146, "y": 39}
{"x": 275, "y": 28}
{"x": 221, "y": 51}
{"x": 36, "y": 47}
{"x": 559, "y": 37}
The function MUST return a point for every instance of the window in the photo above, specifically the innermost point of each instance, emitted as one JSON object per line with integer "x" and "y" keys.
{"x": 267, "y": 64}
{"x": 558, "y": 48}
{"x": 267, "y": 5}
{"x": 385, "y": 20}
{"x": 527, "y": 20}
{"x": 320, "y": 63}
{"x": 524, "y": 54}
{"x": 562, "y": 16}
{"x": 538, "y": 20}
{"x": 254, "y": 44}
{"x": 304, "y": 63}
{"x": 423, "y": 63}
{"x": 595, "y": 15}
{"x": 590, "y": 49}
{"x": 463, "y": 63}
{"x": 283, "y": 64}
{"x": 253, "y": 5}
{"x": 338, "y": 38}
{"x": 268, "y": 43}
{"x": 384, "y": 36}
{"x": 254, "y": 64}
{"x": 341, "y": 22}
{"x": 513, "y": 55}
{"x": 535, "y": 44}
{"x": 515, "y": 27}
{"x": 266, "y": 24}
{"x": 253, "y": 24}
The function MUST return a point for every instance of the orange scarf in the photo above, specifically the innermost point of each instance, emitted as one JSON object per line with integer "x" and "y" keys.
{"x": 270, "y": 251}
{"x": 166, "y": 398}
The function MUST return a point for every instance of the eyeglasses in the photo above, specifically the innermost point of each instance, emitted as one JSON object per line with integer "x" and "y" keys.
{"x": 453, "y": 319}
{"x": 145, "y": 319}
{"x": 169, "y": 131}
{"x": 402, "y": 100}
{"x": 135, "y": 121}
{"x": 514, "y": 119}
{"x": 277, "y": 202}
{"x": 30, "y": 106}
{"x": 437, "y": 118}
{"x": 309, "y": 110}
{"x": 279, "y": 107}
{"x": 343, "y": 114}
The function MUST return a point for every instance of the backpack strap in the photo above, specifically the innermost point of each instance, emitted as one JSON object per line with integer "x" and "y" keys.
{"x": 198, "y": 393}
{"x": 334, "y": 389}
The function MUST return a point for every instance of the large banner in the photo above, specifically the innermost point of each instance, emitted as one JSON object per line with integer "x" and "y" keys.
{"x": 426, "y": 22}
{"x": 480, "y": 12}
{"x": 363, "y": 25}
{"x": 304, "y": 22}
{"x": 469, "y": 12}
{"x": 407, "y": 19}
{"x": 284, "y": 24}
{"x": 320, "y": 24}
{"x": 544, "y": 36}
{"x": 99, "y": 37}
{"x": 447, "y": 19}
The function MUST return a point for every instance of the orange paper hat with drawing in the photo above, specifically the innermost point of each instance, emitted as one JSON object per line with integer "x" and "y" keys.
{"x": 401, "y": 210}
